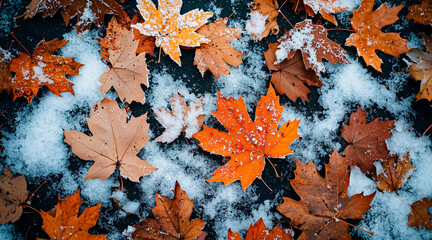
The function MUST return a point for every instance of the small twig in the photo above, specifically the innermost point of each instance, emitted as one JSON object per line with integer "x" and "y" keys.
{"x": 150, "y": 61}
{"x": 31, "y": 195}
{"x": 27, "y": 233}
{"x": 271, "y": 190}
{"x": 13, "y": 35}
{"x": 11, "y": 44}
{"x": 283, "y": 4}
{"x": 295, "y": 9}
{"x": 232, "y": 13}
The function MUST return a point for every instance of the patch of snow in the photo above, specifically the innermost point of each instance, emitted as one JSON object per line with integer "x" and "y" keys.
{"x": 256, "y": 24}
{"x": 7, "y": 232}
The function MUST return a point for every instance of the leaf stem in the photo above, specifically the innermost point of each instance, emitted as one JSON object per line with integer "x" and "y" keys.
{"x": 352, "y": 225}
{"x": 160, "y": 51}
{"x": 13, "y": 35}
{"x": 285, "y": 18}
{"x": 31, "y": 194}
{"x": 283, "y": 4}
{"x": 28, "y": 206}
{"x": 295, "y": 9}
{"x": 426, "y": 130}
{"x": 274, "y": 168}
{"x": 271, "y": 190}
{"x": 340, "y": 29}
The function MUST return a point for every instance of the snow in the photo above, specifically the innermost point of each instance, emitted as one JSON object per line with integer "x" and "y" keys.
{"x": 256, "y": 25}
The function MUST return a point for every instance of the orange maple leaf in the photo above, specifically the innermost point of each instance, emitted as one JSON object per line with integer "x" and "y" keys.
{"x": 62, "y": 222}
{"x": 368, "y": 36}
{"x": 324, "y": 204}
{"x": 171, "y": 219}
{"x": 421, "y": 13}
{"x": 420, "y": 215}
{"x": 396, "y": 173}
{"x": 268, "y": 9}
{"x": 247, "y": 143}
{"x": 170, "y": 28}
{"x": 43, "y": 68}
{"x": 259, "y": 231}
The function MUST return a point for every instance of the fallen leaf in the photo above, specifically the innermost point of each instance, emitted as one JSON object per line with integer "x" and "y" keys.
{"x": 47, "y": 7}
{"x": 368, "y": 36}
{"x": 247, "y": 143}
{"x": 43, "y": 68}
{"x": 420, "y": 214}
{"x": 217, "y": 54}
{"x": 326, "y": 7}
{"x": 114, "y": 142}
{"x": 171, "y": 219}
{"x": 421, "y": 69}
{"x": 324, "y": 206}
{"x": 395, "y": 174}
{"x": 13, "y": 193}
{"x": 5, "y": 74}
{"x": 182, "y": 118}
{"x": 259, "y": 231}
{"x": 311, "y": 39}
{"x": 128, "y": 71}
{"x": 62, "y": 222}
{"x": 421, "y": 13}
{"x": 170, "y": 28}
{"x": 366, "y": 141}
{"x": 266, "y": 10}
{"x": 291, "y": 75}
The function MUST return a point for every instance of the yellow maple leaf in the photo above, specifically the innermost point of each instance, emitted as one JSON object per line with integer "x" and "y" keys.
{"x": 169, "y": 27}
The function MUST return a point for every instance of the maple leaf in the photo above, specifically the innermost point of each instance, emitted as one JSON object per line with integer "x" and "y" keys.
{"x": 367, "y": 141}
{"x": 269, "y": 9}
{"x": 43, "y": 68}
{"x": 5, "y": 74}
{"x": 421, "y": 69}
{"x": 182, "y": 118}
{"x": 312, "y": 40}
{"x": 395, "y": 174}
{"x": 114, "y": 142}
{"x": 171, "y": 219}
{"x": 47, "y": 7}
{"x": 171, "y": 29}
{"x": 368, "y": 36}
{"x": 421, "y": 13}
{"x": 325, "y": 7}
{"x": 247, "y": 143}
{"x": 217, "y": 54}
{"x": 13, "y": 193}
{"x": 128, "y": 71}
{"x": 420, "y": 214}
{"x": 291, "y": 75}
{"x": 62, "y": 222}
{"x": 259, "y": 231}
{"x": 324, "y": 204}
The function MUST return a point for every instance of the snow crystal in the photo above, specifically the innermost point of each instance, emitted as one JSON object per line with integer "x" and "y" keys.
{"x": 256, "y": 25}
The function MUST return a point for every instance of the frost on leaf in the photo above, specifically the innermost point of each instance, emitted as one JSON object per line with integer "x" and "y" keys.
{"x": 368, "y": 36}
{"x": 421, "y": 13}
{"x": 420, "y": 214}
{"x": 396, "y": 173}
{"x": 43, "y": 68}
{"x": 259, "y": 231}
{"x": 127, "y": 72}
{"x": 263, "y": 19}
{"x": 421, "y": 68}
{"x": 170, "y": 28}
{"x": 13, "y": 193}
{"x": 182, "y": 118}
{"x": 324, "y": 206}
{"x": 171, "y": 219}
{"x": 247, "y": 143}
{"x": 62, "y": 222}
{"x": 311, "y": 39}
{"x": 114, "y": 142}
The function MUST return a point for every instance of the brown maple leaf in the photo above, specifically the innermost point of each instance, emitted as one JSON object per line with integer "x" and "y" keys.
{"x": 247, "y": 143}
{"x": 5, "y": 74}
{"x": 267, "y": 9}
{"x": 421, "y": 13}
{"x": 182, "y": 118}
{"x": 420, "y": 215}
{"x": 290, "y": 75}
{"x": 170, "y": 28}
{"x": 368, "y": 36}
{"x": 311, "y": 39}
{"x": 114, "y": 142}
{"x": 395, "y": 173}
{"x": 421, "y": 69}
{"x": 128, "y": 71}
{"x": 367, "y": 141}
{"x": 47, "y": 7}
{"x": 324, "y": 204}
{"x": 326, "y": 7}
{"x": 259, "y": 231}
{"x": 217, "y": 54}
{"x": 13, "y": 193}
{"x": 43, "y": 68}
{"x": 62, "y": 222}
{"x": 171, "y": 219}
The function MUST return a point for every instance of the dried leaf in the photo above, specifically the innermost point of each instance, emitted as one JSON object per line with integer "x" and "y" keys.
{"x": 43, "y": 68}
{"x": 367, "y": 141}
{"x": 13, "y": 193}
{"x": 128, "y": 71}
{"x": 291, "y": 75}
{"x": 421, "y": 13}
{"x": 114, "y": 142}
{"x": 171, "y": 29}
{"x": 5, "y": 74}
{"x": 368, "y": 36}
{"x": 62, "y": 222}
{"x": 171, "y": 219}
{"x": 395, "y": 174}
{"x": 47, "y": 7}
{"x": 247, "y": 143}
{"x": 182, "y": 118}
{"x": 420, "y": 214}
{"x": 421, "y": 69}
{"x": 217, "y": 54}
{"x": 324, "y": 204}
{"x": 259, "y": 231}
{"x": 267, "y": 9}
